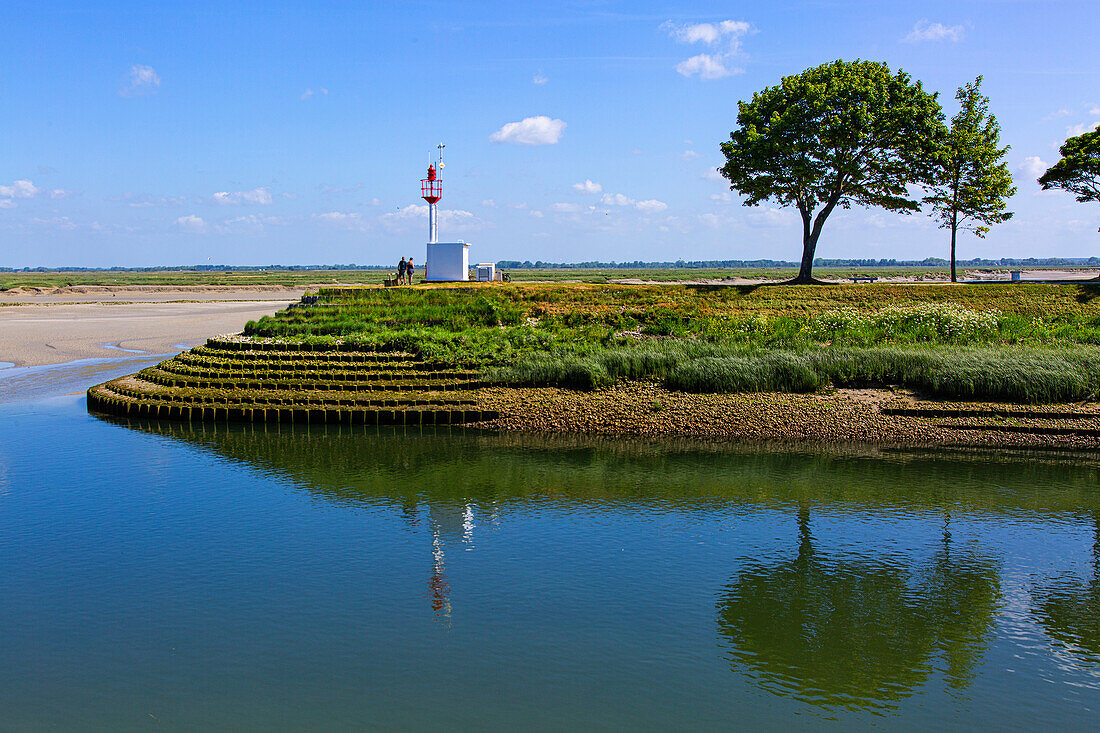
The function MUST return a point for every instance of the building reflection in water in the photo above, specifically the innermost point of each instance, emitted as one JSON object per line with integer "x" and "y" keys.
{"x": 448, "y": 523}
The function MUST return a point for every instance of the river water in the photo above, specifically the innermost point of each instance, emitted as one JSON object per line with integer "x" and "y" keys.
{"x": 169, "y": 576}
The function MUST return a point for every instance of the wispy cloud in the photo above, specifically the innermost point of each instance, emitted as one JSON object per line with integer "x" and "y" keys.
{"x": 340, "y": 220}
{"x": 1075, "y": 130}
{"x": 724, "y": 37}
{"x": 649, "y": 206}
{"x": 539, "y": 79}
{"x": 712, "y": 174}
{"x": 924, "y": 30}
{"x": 416, "y": 214}
{"x": 192, "y": 224}
{"x": 139, "y": 81}
{"x": 540, "y": 130}
{"x": 310, "y": 92}
{"x": 260, "y": 195}
{"x": 589, "y": 186}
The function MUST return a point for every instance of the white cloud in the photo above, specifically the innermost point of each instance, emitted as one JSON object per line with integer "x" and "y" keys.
{"x": 566, "y": 208}
{"x": 7, "y": 204}
{"x": 923, "y": 30}
{"x": 690, "y": 155}
{"x": 763, "y": 217}
{"x": 489, "y": 203}
{"x": 21, "y": 189}
{"x": 1081, "y": 129}
{"x": 1055, "y": 115}
{"x": 1033, "y": 166}
{"x": 721, "y": 198}
{"x": 616, "y": 199}
{"x": 707, "y": 66}
{"x": 255, "y": 196}
{"x": 141, "y": 80}
{"x": 309, "y": 93}
{"x": 249, "y": 223}
{"x": 539, "y": 130}
{"x": 539, "y": 79}
{"x": 454, "y": 219}
{"x": 60, "y": 193}
{"x": 57, "y": 222}
{"x": 589, "y": 186}
{"x": 724, "y": 37}
{"x": 708, "y": 33}
{"x": 1095, "y": 111}
{"x": 340, "y": 220}
{"x": 651, "y": 206}
{"x": 712, "y": 174}
{"x": 536, "y": 214}
{"x": 192, "y": 224}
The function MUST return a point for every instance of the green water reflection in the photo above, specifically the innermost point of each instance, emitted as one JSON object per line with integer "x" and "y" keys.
{"x": 859, "y": 628}
{"x": 1068, "y": 606}
{"x": 844, "y": 632}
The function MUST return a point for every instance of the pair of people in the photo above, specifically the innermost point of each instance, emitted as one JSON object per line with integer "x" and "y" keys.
{"x": 405, "y": 270}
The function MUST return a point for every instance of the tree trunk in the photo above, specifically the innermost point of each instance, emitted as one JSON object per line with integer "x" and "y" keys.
{"x": 954, "y": 231}
{"x": 810, "y": 235}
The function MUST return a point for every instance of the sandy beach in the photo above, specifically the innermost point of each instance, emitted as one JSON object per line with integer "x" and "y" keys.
{"x": 49, "y": 328}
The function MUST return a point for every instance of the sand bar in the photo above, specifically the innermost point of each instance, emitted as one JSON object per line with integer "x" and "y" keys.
{"x": 38, "y": 333}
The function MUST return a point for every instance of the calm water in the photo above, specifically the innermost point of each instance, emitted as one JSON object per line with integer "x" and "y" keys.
{"x": 179, "y": 578}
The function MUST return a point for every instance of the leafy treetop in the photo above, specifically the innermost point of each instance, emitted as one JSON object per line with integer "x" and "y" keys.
{"x": 834, "y": 135}
{"x": 1079, "y": 169}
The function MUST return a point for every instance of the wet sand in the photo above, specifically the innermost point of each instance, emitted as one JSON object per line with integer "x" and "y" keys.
{"x": 45, "y": 332}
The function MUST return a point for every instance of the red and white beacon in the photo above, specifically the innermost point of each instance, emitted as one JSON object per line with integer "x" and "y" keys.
{"x": 446, "y": 261}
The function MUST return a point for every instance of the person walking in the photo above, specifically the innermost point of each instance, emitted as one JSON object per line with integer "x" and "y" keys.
{"x": 410, "y": 268}
{"x": 401, "y": 267}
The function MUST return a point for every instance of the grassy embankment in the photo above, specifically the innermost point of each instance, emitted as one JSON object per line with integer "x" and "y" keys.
{"x": 1022, "y": 343}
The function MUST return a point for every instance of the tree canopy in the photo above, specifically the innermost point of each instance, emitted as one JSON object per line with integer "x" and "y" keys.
{"x": 1079, "y": 169}
{"x": 971, "y": 179}
{"x": 835, "y": 135}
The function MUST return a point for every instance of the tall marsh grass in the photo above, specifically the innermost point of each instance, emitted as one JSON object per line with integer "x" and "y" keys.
{"x": 1029, "y": 375}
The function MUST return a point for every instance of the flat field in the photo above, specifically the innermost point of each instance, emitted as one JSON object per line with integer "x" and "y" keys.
{"x": 245, "y": 278}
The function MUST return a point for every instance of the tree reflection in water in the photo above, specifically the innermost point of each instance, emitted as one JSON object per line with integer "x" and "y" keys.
{"x": 856, "y": 633}
{"x": 1069, "y": 607}
{"x": 837, "y": 630}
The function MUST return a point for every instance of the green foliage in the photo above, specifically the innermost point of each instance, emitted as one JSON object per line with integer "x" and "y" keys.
{"x": 1079, "y": 169}
{"x": 971, "y": 180}
{"x": 835, "y": 135}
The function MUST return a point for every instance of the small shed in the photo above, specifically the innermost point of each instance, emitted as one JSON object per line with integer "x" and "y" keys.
{"x": 448, "y": 262}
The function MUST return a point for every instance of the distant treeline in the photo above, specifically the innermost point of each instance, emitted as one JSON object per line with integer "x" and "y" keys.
{"x": 819, "y": 262}
{"x": 613, "y": 265}
{"x": 201, "y": 268}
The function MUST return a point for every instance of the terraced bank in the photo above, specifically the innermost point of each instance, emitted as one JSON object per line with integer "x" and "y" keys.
{"x": 258, "y": 380}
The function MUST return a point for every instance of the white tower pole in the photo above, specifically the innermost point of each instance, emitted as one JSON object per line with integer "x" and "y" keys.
{"x": 432, "y": 237}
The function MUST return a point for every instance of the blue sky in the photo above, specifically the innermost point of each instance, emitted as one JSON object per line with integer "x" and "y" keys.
{"x": 285, "y": 132}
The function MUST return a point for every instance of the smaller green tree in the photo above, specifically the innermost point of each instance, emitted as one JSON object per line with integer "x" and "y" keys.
{"x": 971, "y": 179}
{"x": 1079, "y": 169}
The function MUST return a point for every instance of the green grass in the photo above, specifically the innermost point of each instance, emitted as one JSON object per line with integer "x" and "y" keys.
{"x": 1026, "y": 343}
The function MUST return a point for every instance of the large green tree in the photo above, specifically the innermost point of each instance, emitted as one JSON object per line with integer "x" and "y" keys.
{"x": 835, "y": 135}
{"x": 971, "y": 179}
{"x": 1079, "y": 169}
